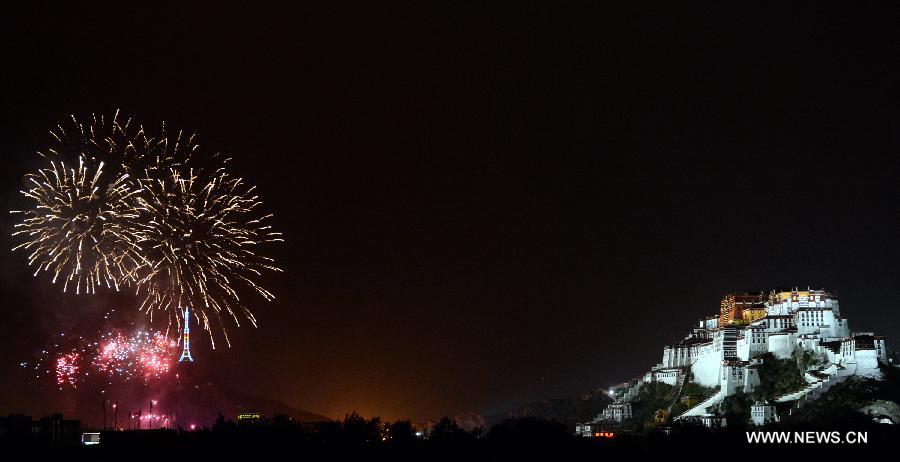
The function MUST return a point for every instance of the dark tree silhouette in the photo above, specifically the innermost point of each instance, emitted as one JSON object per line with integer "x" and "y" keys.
{"x": 446, "y": 429}
{"x": 358, "y": 430}
{"x": 529, "y": 429}
{"x": 402, "y": 431}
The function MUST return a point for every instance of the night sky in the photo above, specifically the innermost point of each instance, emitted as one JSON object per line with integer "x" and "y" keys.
{"x": 475, "y": 197}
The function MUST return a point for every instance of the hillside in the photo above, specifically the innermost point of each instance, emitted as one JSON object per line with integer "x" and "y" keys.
{"x": 202, "y": 403}
{"x": 851, "y": 404}
{"x": 566, "y": 410}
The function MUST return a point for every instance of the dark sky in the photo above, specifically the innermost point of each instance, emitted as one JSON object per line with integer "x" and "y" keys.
{"x": 474, "y": 197}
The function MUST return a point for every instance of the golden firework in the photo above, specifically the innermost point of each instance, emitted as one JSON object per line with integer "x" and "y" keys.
{"x": 180, "y": 235}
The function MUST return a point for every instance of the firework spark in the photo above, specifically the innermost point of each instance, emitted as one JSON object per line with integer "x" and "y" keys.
{"x": 139, "y": 355}
{"x": 202, "y": 232}
{"x": 67, "y": 369}
{"x": 115, "y": 356}
{"x": 117, "y": 207}
{"x": 76, "y": 227}
{"x": 122, "y": 143}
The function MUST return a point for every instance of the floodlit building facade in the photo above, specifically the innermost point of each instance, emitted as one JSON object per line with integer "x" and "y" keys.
{"x": 724, "y": 351}
{"x": 763, "y": 412}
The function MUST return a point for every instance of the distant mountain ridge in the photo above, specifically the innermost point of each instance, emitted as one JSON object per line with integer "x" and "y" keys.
{"x": 201, "y": 402}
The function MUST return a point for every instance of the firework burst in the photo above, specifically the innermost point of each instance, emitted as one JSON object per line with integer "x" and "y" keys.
{"x": 113, "y": 357}
{"x": 68, "y": 369}
{"x": 116, "y": 207}
{"x": 202, "y": 233}
{"x": 139, "y": 355}
{"x": 76, "y": 228}
{"x": 122, "y": 143}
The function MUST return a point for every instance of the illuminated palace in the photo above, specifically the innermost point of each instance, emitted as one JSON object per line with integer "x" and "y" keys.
{"x": 725, "y": 350}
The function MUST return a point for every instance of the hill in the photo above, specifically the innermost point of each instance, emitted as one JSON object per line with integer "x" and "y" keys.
{"x": 565, "y": 410}
{"x": 851, "y": 404}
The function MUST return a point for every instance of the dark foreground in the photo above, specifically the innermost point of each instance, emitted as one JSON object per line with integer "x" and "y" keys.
{"x": 520, "y": 443}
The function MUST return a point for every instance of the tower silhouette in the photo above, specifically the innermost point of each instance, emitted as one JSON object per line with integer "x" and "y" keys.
{"x": 186, "y": 351}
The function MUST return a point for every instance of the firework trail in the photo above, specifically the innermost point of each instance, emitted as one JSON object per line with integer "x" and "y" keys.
{"x": 202, "y": 234}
